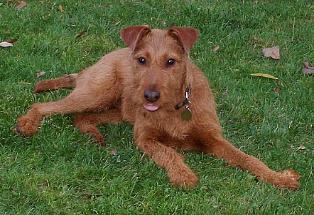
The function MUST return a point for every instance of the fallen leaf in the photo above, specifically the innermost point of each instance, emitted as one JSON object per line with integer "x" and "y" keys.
{"x": 80, "y": 34}
{"x": 215, "y": 48}
{"x": 113, "y": 152}
{"x": 272, "y": 52}
{"x": 307, "y": 69}
{"x": 163, "y": 22}
{"x": 257, "y": 40}
{"x": 90, "y": 195}
{"x": 118, "y": 22}
{"x": 5, "y": 44}
{"x": 226, "y": 92}
{"x": 302, "y": 147}
{"x": 11, "y": 40}
{"x": 13, "y": 130}
{"x": 40, "y": 74}
{"x": 21, "y": 5}
{"x": 264, "y": 75}
{"x": 61, "y": 9}
{"x": 276, "y": 90}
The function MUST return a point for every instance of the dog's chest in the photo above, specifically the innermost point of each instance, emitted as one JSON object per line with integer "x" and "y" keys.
{"x": 173, "y": 126}
{"x": 165, "y": 121}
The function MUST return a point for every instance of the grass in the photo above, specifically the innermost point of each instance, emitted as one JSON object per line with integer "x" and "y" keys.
{"x": 60, "y": 171}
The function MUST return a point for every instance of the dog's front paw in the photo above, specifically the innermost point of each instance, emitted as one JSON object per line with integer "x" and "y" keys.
{"x": 288, "y": 179}
{"x": 183, "y": 178}
{"x": 27, "y": 125}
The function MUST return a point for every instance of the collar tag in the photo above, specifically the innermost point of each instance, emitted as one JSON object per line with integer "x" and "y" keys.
{"x": 186, "y": 114}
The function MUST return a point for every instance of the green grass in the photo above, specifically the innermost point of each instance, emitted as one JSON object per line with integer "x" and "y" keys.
{"x": 60, "y": 171}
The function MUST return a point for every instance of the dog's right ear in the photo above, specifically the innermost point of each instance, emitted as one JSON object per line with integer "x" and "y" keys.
{"x": 133, "y": 34}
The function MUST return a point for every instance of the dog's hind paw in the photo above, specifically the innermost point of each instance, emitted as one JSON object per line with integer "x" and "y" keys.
{"x": 288, "y": 179}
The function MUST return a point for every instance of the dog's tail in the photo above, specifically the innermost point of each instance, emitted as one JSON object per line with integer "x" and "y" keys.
{"x": 66, "y": 81}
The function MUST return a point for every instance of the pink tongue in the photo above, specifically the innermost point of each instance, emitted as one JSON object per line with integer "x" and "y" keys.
{"x": 151, "y": 107}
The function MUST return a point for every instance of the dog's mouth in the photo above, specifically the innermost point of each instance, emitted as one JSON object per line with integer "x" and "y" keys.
{"x": 151, "y": 107}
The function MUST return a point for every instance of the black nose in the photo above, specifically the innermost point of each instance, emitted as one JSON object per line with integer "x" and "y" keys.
{"x": 151, "y": 95}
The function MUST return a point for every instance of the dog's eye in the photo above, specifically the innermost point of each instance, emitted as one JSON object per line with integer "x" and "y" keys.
{"x": 141, "y": 60}
{"x": 171, "y": 62}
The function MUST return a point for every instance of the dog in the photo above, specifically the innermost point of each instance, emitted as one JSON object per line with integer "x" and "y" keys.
{"x": 152, "y": 84}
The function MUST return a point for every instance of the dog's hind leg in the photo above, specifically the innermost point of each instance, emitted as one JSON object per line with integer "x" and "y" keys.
{"x": 87, "y": 122}
{"x": 66, "y": 81}
{"x": 216, "y": 145}
{"x": 28, "y": 124}
{"x": 76, "y": 102}
{"x": 93, "y": 92}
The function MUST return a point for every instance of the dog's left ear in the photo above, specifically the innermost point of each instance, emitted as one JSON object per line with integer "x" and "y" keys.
{"x": 185, "y": 36}
{"x": 133, "y": 34}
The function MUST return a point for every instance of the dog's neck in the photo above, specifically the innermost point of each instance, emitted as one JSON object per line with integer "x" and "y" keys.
{"x": 186, "y": 113}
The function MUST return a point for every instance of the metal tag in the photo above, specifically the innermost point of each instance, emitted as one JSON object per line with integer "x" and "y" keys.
{"x": 186, "y": 115}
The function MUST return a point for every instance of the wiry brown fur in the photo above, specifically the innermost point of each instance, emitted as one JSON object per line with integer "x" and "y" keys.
{"x": 112, "y": 91}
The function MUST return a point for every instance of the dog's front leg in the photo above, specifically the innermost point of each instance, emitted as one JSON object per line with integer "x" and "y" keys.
{"x": 215, "y": 144}
{"x": 75, "y": 102}
{"x": 179, "y": 173}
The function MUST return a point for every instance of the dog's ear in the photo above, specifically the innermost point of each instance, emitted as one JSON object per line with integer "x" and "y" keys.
{"x": 133, "y": 34}
{"x": 185, "y": 36}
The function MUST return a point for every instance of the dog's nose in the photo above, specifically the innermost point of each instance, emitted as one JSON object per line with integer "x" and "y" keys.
{"x": 151, "y": 95}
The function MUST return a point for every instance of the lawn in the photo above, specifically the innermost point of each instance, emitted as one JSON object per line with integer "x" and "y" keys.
{"x": 60, "y": 171}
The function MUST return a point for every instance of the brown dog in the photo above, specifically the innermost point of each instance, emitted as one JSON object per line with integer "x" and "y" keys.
{"x": 154, "y": 85}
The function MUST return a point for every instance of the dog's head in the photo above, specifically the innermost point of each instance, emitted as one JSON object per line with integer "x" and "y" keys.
{"x": 160, "y": 60}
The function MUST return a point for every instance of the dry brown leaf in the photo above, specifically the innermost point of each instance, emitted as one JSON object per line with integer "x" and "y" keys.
{"x": 11, "y": 40}
{"x": 163, "y": 22}
{"x": 40, "y": 74}
{"x": 113, "y": 152}
{"x": 21, "y": 5}
{"x": 276, "y": 90}
{"x": 272, "y": 52}
{"x": 80, "y": 34}
{"x": 5, "y": 44}
{"x": 13, "y": 130}
{"x": 257, "y": 40}
{"x": 264, "y": 75}
{"x": 61, "y": 9}
{"x": 302, "y": 147}
{"x": 307, "y": 69}
{"x": 225, "y": 92}
{"x": 215, "y": 48}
